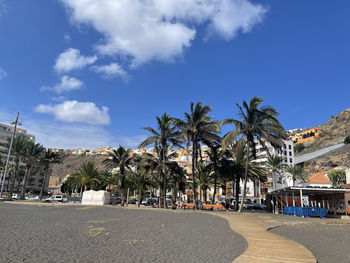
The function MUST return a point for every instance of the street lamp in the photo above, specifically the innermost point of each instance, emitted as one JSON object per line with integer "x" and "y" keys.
{"x": 16, "y": 122}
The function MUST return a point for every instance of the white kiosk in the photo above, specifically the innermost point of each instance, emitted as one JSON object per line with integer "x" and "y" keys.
{"x": 95, "y": 198}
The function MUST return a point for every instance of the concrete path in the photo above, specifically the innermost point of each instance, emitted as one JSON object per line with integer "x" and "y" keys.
{"x": 264, "y": 246}
{"x": 313, "y": 155}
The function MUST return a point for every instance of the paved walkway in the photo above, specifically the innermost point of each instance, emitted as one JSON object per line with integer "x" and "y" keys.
{"x": 318, "y": 153}
{"x": 264, "y": 246}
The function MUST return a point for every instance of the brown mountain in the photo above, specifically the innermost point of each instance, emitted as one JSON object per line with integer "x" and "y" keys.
{"x": 71, "y": 163}
{"x": 333, "y": 132}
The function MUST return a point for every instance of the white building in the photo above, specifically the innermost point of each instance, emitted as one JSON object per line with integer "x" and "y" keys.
{"x": 5, "y": 134}
{"x": 283, "y": 179}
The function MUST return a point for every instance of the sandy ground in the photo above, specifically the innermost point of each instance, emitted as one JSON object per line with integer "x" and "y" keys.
{"x": 108, "y": 234}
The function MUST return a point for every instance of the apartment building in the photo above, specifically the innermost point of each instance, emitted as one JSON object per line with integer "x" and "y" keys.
{"x": 283, "y": 179}
{"x": 34, "y": 181}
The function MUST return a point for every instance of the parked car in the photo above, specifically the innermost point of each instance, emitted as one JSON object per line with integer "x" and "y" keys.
{"x": 152, "y": 201}
{"x": 248, "y": 204}
{"x": 15, "y": 196}
{"x": 144, "y": 201}
{"x": 57, "y": 198}
{"x": 132, "y": 201}
{"x": 259, "y": 207}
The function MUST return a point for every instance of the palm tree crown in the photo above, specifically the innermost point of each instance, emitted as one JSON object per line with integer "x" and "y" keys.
{"x": 257, "y": 124}
{"x": 167, "y": 135}
{"x": 120, "y": 159}
{"x": 198, "y": 127}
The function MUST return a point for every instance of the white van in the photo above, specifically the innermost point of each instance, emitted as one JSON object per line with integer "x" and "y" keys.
{"x": 58, "y": 198}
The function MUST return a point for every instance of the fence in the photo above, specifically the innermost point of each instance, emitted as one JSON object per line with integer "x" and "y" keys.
{"x": 306, "y": 211}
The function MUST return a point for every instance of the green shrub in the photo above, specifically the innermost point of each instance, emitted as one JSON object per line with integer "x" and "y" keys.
{"x": 347, "y": 139}
{"x": 299, "y": 147}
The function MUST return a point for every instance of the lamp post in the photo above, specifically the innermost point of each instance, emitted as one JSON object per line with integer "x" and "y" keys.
{"x": 16, "y": 122}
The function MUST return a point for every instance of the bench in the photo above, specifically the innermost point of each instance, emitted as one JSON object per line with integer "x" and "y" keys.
{"x": 188, "y": 205}
{"x": 212, "y": 206}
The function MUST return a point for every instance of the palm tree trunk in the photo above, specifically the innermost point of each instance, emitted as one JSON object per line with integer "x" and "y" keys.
{"x": 8, "y": 182}
{"x": 173, "y": 198}
{"x": 122, "y": 189}
{"x": 194, "y": 144}
{"x": 25, "y": 179}
{"x": 205, "y": 195}
{"x": 14, "y": 175}
{"x": 43, "y": 185}
{"x": 245, "y": 178}
{"x": 238, "y": 179}
{"x": 215, "y": 175}
{"x": 165, "y": 175}
{"x": 139, "y": 201}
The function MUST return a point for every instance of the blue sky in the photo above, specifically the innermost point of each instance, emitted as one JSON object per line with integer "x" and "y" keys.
{"x": 90, "y": 73}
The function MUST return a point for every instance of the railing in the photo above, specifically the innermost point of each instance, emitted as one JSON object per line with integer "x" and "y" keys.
{"x": 306, "y": 211}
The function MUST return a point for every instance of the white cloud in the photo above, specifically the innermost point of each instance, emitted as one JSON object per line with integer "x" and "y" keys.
{"x": 71, "y": 59}
{"x": 67, "y": 37}
{"x": 53, "y": 134}
{"x": 161, "y": 29}
{"x": 111, "y": 71}
{"x": 3, "y": 73}
{"x": 74, "y": 111}
{"x": 65, "y": 85}
{"x": 77, "y": 135}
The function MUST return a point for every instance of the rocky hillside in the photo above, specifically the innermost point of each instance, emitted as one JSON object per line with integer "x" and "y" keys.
{"x": 333, "y": 132}
{"x": 339, "y": 158}
{"x": 72, "y": 163}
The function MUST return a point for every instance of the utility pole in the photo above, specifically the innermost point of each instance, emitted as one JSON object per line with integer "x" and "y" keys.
{"x": 16, "y": 122}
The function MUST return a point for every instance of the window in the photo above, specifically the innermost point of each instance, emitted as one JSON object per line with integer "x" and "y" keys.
{"x": 290, "y": 160}
{"x": 290, "y": 147}
{"x": 285, "y": 152}
{"x": 290, "y": 153}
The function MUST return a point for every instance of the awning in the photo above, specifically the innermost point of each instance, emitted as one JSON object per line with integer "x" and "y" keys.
{"x": 308, "y": 190}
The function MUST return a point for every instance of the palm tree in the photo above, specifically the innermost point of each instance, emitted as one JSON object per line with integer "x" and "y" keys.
{"x": 198, "y": 128}
{"x": 47, "y": 158}
{"x": 141, "y": 178}
{"x": 73, "y": 182}
{"x": 234, "y": 158}
{"x": 167, "y": 135}
{"x": 88, "y": 175}
{"x": 297, "y": 173}
{"x": 107, "y": 178}
{"x": 18, "y": 152}
{"x": 120, "y": 159}
{"x": 32, "y": 155}
{"x": 177, "y": 179}
{"x": 275, "y": 164}
{"x": 11, "y": 174}
{"x": 205, "y": 179}
{"x": 20, "y": 175}
{"x": 214, "y": 156}
{"x": 257, "y": 124}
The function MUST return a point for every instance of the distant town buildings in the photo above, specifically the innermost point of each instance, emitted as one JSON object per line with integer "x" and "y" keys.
{"x": 306, "y": 135}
